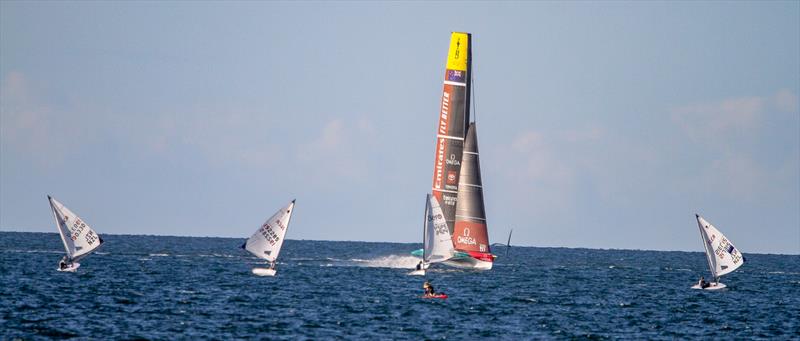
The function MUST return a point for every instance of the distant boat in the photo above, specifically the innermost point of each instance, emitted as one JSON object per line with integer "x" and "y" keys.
{"x": 437, "y": 246}
{"x": 722, "y": 256}
{"x": 457, "y": 181}
{"x": 508, "y": 244}
{"x": 266, "y": 242}
{"x": 79, "y": 239}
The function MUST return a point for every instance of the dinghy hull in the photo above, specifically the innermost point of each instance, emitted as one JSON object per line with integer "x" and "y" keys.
{"x": 264, "y": 272}
{"x": 713, "y": 286}
{"x": 70, "y": 268}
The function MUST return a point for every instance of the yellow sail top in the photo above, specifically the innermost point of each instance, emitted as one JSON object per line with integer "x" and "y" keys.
{"x": 457, "y": 56}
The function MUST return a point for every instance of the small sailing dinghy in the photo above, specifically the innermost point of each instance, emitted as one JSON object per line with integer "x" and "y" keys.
{"x": 722, "y": 256}
{"x": 79, "y": 239}
{"x": 266, "y": 242}
{"x": 437, "y": 245}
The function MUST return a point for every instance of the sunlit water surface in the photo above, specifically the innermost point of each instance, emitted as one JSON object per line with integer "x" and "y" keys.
{"x": 180, "y": 287}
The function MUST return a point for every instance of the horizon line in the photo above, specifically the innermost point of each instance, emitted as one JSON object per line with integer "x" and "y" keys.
{"x": 397, "y": 242}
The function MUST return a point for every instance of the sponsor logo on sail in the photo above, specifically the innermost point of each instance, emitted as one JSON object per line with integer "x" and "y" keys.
{"x": 440, "y": 146}
{"x": 451, "y": 177}
{"x": 465, "y": 238}
{"x": 452, "y": 160}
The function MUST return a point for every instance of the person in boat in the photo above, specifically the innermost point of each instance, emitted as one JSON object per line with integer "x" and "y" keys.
{"x": 703, "y": 283}
{"x": 429, "y": 291}
{"x": 62, "y": 264}
{"x": 272, "y": 265}
{"x": 419, "y": 266}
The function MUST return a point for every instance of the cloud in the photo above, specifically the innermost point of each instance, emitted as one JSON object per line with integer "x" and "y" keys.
{"x": 732, "y": 118}
{"x": 710, "y": 121}
{"x": 31, "y": 127}
{"x": 341, "y": 150}
{"x": 736, "y": 140}
{"x": 24, "y": 122}
{"x": 785, "y": 101}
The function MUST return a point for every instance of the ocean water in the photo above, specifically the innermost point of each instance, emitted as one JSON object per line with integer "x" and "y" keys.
{"x": 201, "y": 288}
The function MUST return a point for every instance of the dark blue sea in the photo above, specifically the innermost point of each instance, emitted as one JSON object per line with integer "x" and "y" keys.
{"x": 153, "y": 287}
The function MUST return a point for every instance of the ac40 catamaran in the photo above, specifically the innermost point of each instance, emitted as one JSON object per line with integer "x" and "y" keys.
{"x": 457, "y": 184}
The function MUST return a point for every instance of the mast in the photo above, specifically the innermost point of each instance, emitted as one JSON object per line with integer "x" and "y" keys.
{"x": 706, "y": 245}
{"x": 58, "y": 226}
{"x": 508, "y": 243}
{"x": 450, "y": 132}
{"x": 425, "y": 227}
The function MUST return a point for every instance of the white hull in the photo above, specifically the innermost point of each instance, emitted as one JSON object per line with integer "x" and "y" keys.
{"x": 70, "y": 268}
{"x": 468, "y": 263}
{"x": 417, "y": 273}
{"x": 713, "y": 286}
{"x": 264, "y": 272}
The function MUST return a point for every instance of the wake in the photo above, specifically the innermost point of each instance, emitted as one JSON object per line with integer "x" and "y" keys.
{"x": 391, "y": 261}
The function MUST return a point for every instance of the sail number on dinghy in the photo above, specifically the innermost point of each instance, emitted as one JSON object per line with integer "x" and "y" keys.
{"x": 77, "y": 229}
{"x": 726, "y": 247}
{"x": 269, "y": 234}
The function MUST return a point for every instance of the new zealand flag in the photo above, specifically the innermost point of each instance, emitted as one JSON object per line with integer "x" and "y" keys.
{"x": 730, "y": 249}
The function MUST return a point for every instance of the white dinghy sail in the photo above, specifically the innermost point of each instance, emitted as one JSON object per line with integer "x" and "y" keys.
{"x": 78, "y": 237}
{"x": 723, "y": 258}
{"x": 266, "y": 242}
{"x": 437, "y": 244}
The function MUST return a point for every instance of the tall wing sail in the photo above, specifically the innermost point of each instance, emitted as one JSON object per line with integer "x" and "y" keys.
{"x": 266, "y": 242}
{"x": 78, "y": 237}
{"x": 470, "y": 233}
{"x": 723, "y": 257}
{"x": 453, "y": 115}
{"x": 438, "y": 244}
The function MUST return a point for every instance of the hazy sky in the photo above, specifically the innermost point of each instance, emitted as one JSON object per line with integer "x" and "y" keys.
{"x": 603, "y": 125}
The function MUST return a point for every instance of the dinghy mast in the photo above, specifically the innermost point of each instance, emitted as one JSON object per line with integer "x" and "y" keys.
{"x": 707, "y": 245}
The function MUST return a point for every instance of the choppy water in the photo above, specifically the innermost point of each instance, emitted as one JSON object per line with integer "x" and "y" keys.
{"x": 180, "y": 287}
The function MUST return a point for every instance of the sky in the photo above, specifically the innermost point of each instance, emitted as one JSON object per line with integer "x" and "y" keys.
{"x": 600, "y": 124}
